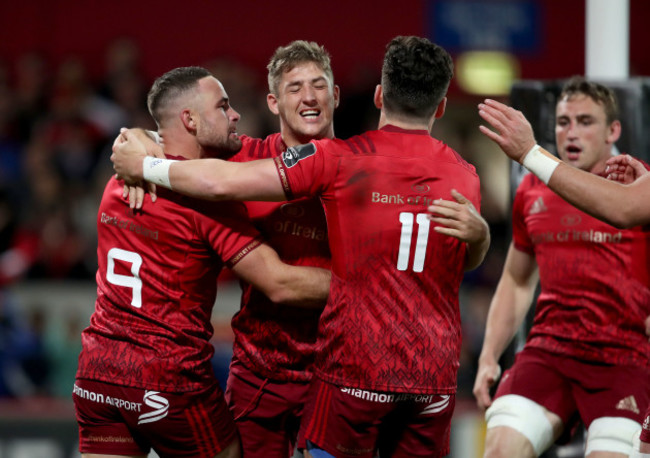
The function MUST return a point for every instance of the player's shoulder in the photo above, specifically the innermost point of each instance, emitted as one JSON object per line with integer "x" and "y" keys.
{"x": 355, "y": 145}
{"x": 456, "y": 157}
{"x": 259, "y": 148}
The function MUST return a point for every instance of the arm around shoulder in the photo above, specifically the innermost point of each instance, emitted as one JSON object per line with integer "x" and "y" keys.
{"x": 215, "y": 179}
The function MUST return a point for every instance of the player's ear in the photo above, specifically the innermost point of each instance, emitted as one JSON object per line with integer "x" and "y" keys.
{"x": 272, "y": 102}
{"x": 337, "y": 95}
{"x": 379, "y": 97}
{"x": 614, "y": 132}
{"x": 441, "y": 108}
{"x": 188, "y": 120}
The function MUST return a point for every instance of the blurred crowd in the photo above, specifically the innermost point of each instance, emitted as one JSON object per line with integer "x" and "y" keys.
{"x": 57, "y": 126}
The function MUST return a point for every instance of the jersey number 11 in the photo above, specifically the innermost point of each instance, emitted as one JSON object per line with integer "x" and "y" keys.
{"x": 406, "y": 218}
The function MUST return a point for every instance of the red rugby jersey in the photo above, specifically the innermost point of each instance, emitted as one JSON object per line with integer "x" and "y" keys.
{"x": 392, "y": 321}
{"x": 156, "y": 287}
{"x": 595, "y": 291}
{"x": 278, "y": 341}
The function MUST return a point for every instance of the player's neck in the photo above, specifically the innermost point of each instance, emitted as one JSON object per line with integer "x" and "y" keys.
{"x": 183, "y": 146}
{"x": 407, "y": 124}
{"x": 600, "y": 166}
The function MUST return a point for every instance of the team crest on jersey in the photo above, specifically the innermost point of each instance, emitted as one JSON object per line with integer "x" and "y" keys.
{"x": 293, "y": 210}
{"x": 421, "y": 188}
{"x": 295, "y": 154}
{"x": 571, "y": 220}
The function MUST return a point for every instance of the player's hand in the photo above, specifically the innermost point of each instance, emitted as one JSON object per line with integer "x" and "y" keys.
{"x": 128, "y": 152}
{"x": 647, "y": 327}
{"x": 512, "y": 131}
{"x": 488, "y": 374}
{"x": 148, "y": 139}
{"x": 135, "y": 193}
{"x": 458, "y": 219}
{"x": 624, "y": 169}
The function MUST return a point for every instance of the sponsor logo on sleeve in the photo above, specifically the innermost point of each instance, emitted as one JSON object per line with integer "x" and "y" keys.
{"x": 295, "y": 154}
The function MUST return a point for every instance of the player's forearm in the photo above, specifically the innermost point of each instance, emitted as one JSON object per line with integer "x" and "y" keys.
{"x": 619, "y": 205}
{"x": 507, "y": 311}
{"x": 476, "y": 252}
{"x": 302, "y": 286}
{"x": 215, "y": 179}
{"x": 204, "y": 178}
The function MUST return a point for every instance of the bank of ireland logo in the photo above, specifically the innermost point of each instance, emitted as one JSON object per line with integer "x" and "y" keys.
{"x": 154, "y": 400}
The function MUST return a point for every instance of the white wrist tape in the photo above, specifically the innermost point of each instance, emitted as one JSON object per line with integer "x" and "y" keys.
{"x": 156, "y": 170}
{"x": 540, "y": 164}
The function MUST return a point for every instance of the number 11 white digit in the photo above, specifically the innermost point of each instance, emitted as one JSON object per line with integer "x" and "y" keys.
{"x": 406, "y": 218}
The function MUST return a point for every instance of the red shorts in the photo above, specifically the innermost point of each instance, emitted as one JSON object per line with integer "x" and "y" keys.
{"x": 645, "y": 431}
{"x": 267, "y": 413}
{"x": 570, "y": 388}
{"x": 353, "y": 423}
{"x": 118, "y": 420}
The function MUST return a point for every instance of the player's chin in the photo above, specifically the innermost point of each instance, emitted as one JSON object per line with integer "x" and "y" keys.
{"x": 234, "y": 143}
{"x": 315, "y": 131}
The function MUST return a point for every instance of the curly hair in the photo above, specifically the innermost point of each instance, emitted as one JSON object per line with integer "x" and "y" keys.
{"x": 415, "y": 76}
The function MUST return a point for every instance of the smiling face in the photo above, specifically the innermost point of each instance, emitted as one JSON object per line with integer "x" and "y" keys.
{"x": 583, "y": 136}
{"x": 305, "y": 101}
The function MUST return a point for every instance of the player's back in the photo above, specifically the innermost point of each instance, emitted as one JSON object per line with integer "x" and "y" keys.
{"x": 392, "y": 321}
{"x": 156, "y": 286}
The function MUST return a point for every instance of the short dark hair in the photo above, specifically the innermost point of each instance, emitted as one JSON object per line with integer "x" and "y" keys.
{"x": 415, "y": 77}
{"x": 170, "y": 85}
{"x": 285, "y": 58}
{"x": 599, "y": 93}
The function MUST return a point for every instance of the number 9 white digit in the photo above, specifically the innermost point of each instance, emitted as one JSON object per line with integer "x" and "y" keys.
{"x": 134, "y": 282}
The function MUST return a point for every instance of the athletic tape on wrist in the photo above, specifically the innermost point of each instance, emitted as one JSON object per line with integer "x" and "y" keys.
{"x": 156, "y": 170}
{"x": 540, "y": 164}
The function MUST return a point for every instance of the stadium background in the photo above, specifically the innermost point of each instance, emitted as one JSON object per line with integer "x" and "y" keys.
{"x": 73, "y": 72}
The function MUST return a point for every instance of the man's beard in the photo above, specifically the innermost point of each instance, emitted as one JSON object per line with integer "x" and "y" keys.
{"x": 223, "y": 149}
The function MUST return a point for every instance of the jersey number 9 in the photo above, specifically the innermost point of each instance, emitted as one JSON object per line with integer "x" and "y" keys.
{"x": 130, "y": 281}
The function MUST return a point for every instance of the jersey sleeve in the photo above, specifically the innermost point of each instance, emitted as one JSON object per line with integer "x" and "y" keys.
{"x": 226, "y": 226}
{"x": 304, "y": 169}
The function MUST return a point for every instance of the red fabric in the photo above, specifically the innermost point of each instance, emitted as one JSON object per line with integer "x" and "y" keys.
{"x": 156, "y": 287}
{"x": 387, "y": 329}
